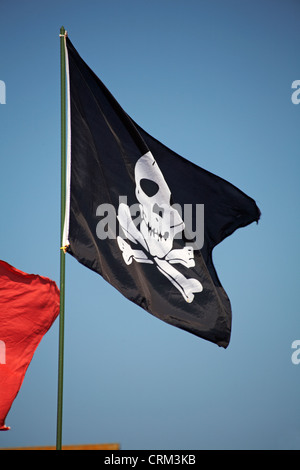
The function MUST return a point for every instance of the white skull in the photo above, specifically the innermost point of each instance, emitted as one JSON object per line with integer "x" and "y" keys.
{"x": 160, "y": 222}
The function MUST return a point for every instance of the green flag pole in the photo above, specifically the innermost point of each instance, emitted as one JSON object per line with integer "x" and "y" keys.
{"x": 62, "y": 253}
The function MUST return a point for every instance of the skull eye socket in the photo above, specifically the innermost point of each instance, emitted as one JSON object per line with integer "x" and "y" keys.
{"x": 149, "y": 187}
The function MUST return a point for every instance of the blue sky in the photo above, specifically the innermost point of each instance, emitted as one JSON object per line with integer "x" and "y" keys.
{"x": 211, "y": 80}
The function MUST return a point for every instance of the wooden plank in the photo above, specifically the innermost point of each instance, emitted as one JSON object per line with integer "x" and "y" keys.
{"x": 109, "y": 446}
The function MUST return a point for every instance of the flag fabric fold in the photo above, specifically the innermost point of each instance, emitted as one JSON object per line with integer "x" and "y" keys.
{"x": 143, "y": 217}
{"x": 29, "y": 304}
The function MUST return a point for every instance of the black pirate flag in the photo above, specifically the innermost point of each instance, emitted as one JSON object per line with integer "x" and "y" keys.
{"x": 143, "y": 217}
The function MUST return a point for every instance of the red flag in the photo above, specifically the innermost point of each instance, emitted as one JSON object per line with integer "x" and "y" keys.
{"x": 29, "y": 304}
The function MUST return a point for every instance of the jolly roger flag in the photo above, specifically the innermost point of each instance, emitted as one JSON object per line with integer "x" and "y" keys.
{"x": 143, "y": 217}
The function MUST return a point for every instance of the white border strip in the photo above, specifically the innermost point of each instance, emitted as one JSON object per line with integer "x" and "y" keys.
{"x": 65, "y": 237}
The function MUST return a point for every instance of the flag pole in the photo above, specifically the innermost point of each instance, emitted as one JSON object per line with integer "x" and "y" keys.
{"x": 62, "y": 253}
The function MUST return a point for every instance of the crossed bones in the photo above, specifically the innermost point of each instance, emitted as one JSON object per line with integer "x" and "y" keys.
{"x": 184, "y": 256}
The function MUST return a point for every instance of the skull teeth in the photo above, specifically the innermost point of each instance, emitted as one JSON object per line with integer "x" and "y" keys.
{"x": 152, "y": 232}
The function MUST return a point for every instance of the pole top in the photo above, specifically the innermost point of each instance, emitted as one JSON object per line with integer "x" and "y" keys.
{"x": 63, "y": 32}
